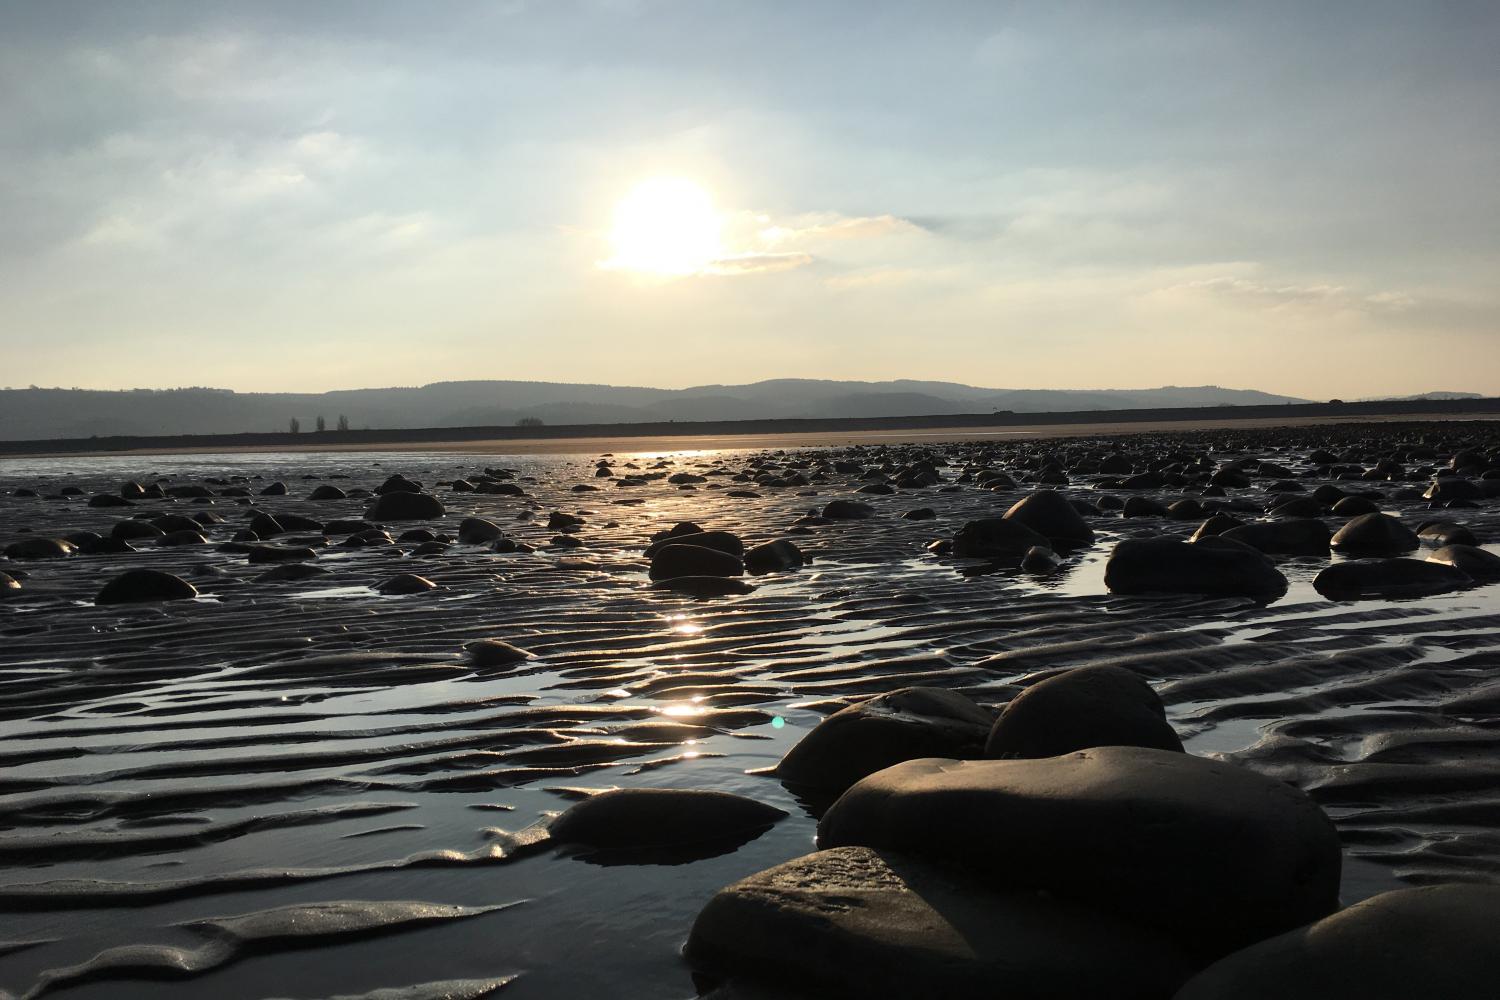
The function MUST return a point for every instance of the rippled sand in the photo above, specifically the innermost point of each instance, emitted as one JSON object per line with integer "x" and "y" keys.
{"x": 305, "y": 790}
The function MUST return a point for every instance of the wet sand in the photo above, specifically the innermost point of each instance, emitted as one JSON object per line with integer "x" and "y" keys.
{"x": 307, "y": 789}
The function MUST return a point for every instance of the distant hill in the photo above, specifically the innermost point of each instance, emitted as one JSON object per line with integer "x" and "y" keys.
{"x": 1424, "y": 395}
{"x": 31, "y": 414}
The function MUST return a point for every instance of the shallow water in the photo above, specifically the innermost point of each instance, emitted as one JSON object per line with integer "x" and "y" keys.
{"x": 277, "y": 744}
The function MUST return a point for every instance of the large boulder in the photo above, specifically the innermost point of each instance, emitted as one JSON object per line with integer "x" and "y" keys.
{"x": 1079, "y": 709}
{"x": 40, "y": 548}
{"x": 1374, "y": 535}
{"x": 679, "y": 559}
{"x": 1435, "y": 941}
{"x": 854, "y": 922}
{"x": 1166, "y": 565}
{"x": 661, "y": 817}
{"x": 724, "y": 541}
{"x": 890, "y": 728}
{"x": 1211, "y": 852}
{"x": 138, "y": 586}
{"x": 1300, "y": 536}
{"x": 1347, "y": 581}
{"x": 996, "y": 538}
{"x": 404, "y": 505}
{"x": 1049, "y": 513}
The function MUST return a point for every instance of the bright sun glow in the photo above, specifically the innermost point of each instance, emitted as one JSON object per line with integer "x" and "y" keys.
{"x": 666, "y": 226}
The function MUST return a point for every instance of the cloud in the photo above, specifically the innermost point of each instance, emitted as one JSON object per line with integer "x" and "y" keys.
{"x": 1280, "y": 295}
{"x": 759, "y": 263}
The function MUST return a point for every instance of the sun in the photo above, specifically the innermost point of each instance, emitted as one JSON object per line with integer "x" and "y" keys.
{"x": 666, "y": 226}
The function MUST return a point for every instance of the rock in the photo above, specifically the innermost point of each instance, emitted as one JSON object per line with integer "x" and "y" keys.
{"x": 326, "y": 492}
{"x": 705, "y": 586}
{"x": 847, "y": 510}
{"x": 1453, "y": 488}
{"x": 1165, "y": 565}
{"x": 919, "y": 514}
{"x": 1298, "y": 536}
{"x": 9, "y": 586}
{"x": 1080, "y": 709}
{"x": 1440, "y": 533}
{"x": 494, "y": 653}
{"x": 1215, "y": 854}
{"x": 264, "y": 525}
{"x": 890, "y": 728}
{"x": 1348, "y": 581}
{"x": 40, "y": 548}
{"x": 405, "y": 583}
{"x": 136, "y": 586}
{"x": 478, "y": 531}
{"x": 1049, "y": 513}
{"x": 996, "y": 538}
{"x": 130, "y": 529}
{"x": 723, "y": 541}
{"x": 774, "y": 557}
{"x": 1353, "y": 506}
{"x": 1435, "y": 941}
{"x": 679, "y": 559}
{"x": 1040, "y": 560}
{"x": 398, "y": 484}
{"x": 109, "y": 500}
{"x": 1479, "y": 564}
{"x": 296, "y": 522}
{"x": 1216, "y": 525}
{"x": 559, "y": 521}
{"x": 173, "y": 539}
{"x": 1186, "y": 509}
{"x": 276, "y": 489}
{"x": 661, "y": 817}
{"x": 1374, "y": 535}
{"x": 854, "y": 922}
{"x": 1139, "y": 506}
{"x": 404, "y": 505}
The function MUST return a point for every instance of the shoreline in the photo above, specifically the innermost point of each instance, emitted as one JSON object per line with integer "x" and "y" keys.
{"x": 695, "y": 442}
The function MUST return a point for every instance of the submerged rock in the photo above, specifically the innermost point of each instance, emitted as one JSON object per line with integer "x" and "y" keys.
{"x": 1079, "y": 709}
{"x": 847, "y": 510}
{"x": 1166, "y": 565}
{"x": 705, "y": 586}
{"x": 137, "y": 586}
{"x": 1215, "y": 854}
{"x": 1435, "y": 941}
{"x": 495, "y": 653}
{"x": 890, "y": 728}
{"x": 660, "y": 817}
{"x": 855, "y": 922}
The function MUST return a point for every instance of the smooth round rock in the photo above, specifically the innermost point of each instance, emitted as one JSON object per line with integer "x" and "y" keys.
{"x": 1049, "y": 513}
{"x": 1217, "y": 855}
{"x": 9, "y": 585}
{"x": 679, "y": 559}
{"x": 1437, "y": 941}
{"x": 40, "y": 548}
{"x": 1079, "y": 709}
{"x": 136, "y": 586}
{"x": 405, "y": 583}
{"x": 774, "y": 557}
{"x": 847, "y": 510}
{"x": 404, "y": 505}
{"x": 705, "y": 586}
{"x": 494, "y": 653}
{"x": 1374, "y": 535}
{"x": 1480, "y": 564}
{"x": 997, "y": 538}
{"x": 478, "y": 531}
{"x": 855, "y": 922}
{"x": 890, "y": 728}
{"x": 723, "y": 541}
{"x": 1347, "y": 581}
{"x": 660, "y": 817}
{"x": 1298, "y": 536}
{"x": 1166, "y": 565}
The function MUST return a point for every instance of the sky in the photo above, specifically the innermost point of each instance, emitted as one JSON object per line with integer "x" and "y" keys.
{"x": 1293, "y": 197}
